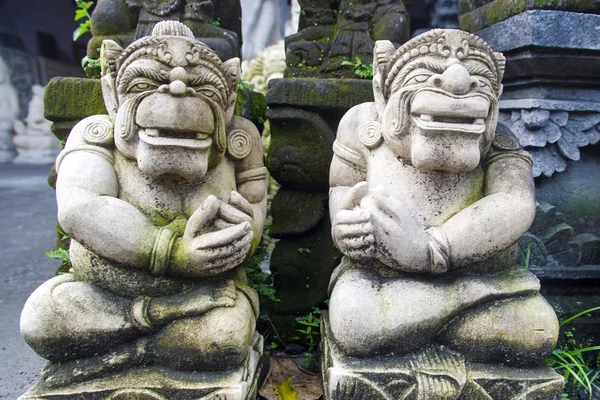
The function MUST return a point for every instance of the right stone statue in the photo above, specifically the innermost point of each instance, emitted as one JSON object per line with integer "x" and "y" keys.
{"x": 428, "y": 198}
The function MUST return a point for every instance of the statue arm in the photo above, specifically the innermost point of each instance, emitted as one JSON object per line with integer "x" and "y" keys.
{"x": 251, "y": 179}
{"x": 90, "y": 212}
{"x": 500, "y": 218}
{"x": 87, "y": 189}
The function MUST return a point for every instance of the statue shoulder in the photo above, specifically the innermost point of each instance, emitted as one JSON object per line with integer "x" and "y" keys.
{"x": 351, "y": 145}
{"x": 506, "y": 144}
{"x": 94, "y": 135}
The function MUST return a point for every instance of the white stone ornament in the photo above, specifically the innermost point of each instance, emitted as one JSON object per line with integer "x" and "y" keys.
{"x": 160, "y": 215}
{"x": 427, "y": 203}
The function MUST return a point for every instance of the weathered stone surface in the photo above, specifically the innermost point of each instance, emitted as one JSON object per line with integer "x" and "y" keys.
{"x": 251, "y": 105}
{"x": 300, "y": 149}
{"x": 427, "y": 196}
{"x": 331, "y": 34}
{"x": 435, "y": 372}
{"x": 479, "y": 14}
{"x": 216, "y": 23}
{"x": 289, "y": 205}
{"x": 323, "y": 94}
{"x": 301, "y": 269}
{"x": 163, "y": 198}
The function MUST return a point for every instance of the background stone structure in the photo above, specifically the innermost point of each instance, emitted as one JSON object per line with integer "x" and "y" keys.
{"x": 551, "y": 102}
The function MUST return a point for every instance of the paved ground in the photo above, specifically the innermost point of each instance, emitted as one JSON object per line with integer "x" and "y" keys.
{"x": 27, "y": 231}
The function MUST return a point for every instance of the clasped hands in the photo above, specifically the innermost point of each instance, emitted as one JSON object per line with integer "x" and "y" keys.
{"x": 372, "y": 224}
{"x": 217, "y": 237}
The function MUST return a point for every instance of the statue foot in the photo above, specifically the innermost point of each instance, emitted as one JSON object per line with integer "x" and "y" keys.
{"x": 56, "y": 374}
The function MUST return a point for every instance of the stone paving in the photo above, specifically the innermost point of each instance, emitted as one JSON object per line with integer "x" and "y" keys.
{"x": 28, "y": 215}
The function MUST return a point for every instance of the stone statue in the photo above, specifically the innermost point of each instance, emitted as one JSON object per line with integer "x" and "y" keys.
{"x": 217, "y": 22}
{"x": 163, "y": 199}
{"x": 331, "y": 32}
{"x": 9, "y": 112}
{"x": 428, "y": 198}
{"x": 35, "y": 143}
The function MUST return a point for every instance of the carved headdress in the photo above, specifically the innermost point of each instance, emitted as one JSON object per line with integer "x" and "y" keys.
{"x": 442, "y": 43}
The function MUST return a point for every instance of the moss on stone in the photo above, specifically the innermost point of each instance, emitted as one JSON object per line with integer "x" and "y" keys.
{"x": 68, "y": 99}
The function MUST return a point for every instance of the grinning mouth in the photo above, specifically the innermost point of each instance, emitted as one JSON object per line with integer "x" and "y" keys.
{"x": 175, "y": 138}
{"x": 428, "y": 122}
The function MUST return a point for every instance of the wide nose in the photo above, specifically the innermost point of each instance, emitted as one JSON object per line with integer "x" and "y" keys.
{"x": 179, "y": 78}
{"x": 456, "y": 80}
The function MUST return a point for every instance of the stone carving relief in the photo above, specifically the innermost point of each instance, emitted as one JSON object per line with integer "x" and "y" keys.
{"x": 163, "y": 199}
{"x": 34, "y": 141}
{"x": 553, "y": 137}
{"x": 427, "y": 201}
{"x": 337, "y": 31}
{"x": 9, "y": 112}
{"x": 217, "y": 22}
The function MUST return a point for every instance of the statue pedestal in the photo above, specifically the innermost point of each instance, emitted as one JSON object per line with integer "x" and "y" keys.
{"x": 158, "y": 383}
{"x": 435, "y": 372}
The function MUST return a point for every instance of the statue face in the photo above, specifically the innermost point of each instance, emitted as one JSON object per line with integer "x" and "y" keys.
{"x": 443, "y": 106}
{"x": 173, "y": 96}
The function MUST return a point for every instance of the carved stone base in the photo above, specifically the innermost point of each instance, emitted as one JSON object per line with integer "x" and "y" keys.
{"x": 433, "y": 373}
{"x": 156, "y": 383}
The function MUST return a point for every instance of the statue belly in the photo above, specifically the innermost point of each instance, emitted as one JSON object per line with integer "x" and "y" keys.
{"x": 432, "y": 196}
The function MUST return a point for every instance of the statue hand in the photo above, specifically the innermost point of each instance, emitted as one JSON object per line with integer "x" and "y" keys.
{"x": 352, "y": 227}
{"x": 212, "y": 241}
{"x": 400, "y": 242}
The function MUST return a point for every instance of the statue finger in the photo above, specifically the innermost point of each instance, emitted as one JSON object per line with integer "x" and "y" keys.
{"x": 225, "y": 262}
{"x": 204, "y": 215}
{"x": 239, "y": 202}
{"x": 220, "y": 238}
{"x": 357, "y": 243}
{"x": 354, "y": 195}
{"x": 352, "y": 230}
{"x": 233, "y": 215}
{"x": 389, "y": 205}
{"x": 361, "y": 254}
{"x": 352, "y": 217}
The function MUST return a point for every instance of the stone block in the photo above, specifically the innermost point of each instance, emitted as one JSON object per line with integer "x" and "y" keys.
{"x": 300, "y": 150}
{"x": 479, "y": 14}
{"x": 433, "y": 373}
{"x": 289, "y": 204}
{"x": 301, "y": 269}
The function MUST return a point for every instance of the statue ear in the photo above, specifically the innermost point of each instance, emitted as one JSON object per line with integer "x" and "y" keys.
{"x": 381, "y": 55}
{"x": 232, "y": 66}
{"x": 109, "y": 53}
{"x": 501, "y": 61}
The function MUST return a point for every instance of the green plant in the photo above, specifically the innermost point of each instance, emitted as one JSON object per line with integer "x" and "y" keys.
{"x": 526, "y": 257}
{"x": 571, "y": 363}
{"x": 311, "y": 323}
{"x": 304, "y": 250}
{"x": 361, "y": 70}
{"x": 63, "y": 255}
{"x": 82, "y": 13}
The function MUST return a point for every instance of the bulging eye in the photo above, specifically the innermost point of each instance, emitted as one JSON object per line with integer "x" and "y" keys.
{"x": 484, "y": 83}
{"x": 420, "y": 78}
{"x": 206, "y": 91}
{"x": 140, "y": 85}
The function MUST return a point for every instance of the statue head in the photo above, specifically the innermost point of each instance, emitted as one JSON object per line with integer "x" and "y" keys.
{"x": 171, "y": 98}
{"x": 437, "y": 98}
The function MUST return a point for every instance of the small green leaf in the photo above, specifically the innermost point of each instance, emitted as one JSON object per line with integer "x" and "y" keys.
{"x": 81, "y": 30}
{"x": 86, "y": 6}
{"x": 79, "y": 14}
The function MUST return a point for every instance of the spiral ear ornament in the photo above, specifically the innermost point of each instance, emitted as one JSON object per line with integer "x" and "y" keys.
{"x": 370, "y": 134}
{"x": 239, "y": 144}
{"x": 99, "y": 131}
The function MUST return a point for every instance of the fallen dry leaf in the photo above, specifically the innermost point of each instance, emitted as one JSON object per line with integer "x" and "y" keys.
{"x": 308, "y": 385}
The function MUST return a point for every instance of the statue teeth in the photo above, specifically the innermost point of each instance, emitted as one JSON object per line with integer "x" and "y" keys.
{"x": 152, "y": 132}
{"x": 426, "y": 117}
{"x": 201, "y": 136}
{"x": 479, "y": 121}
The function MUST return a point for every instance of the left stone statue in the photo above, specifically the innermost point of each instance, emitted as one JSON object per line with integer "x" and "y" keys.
{"x": 163, "y": 199}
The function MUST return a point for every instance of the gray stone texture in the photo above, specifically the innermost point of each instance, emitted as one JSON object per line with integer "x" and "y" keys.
{"x": 479, "y": 14}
